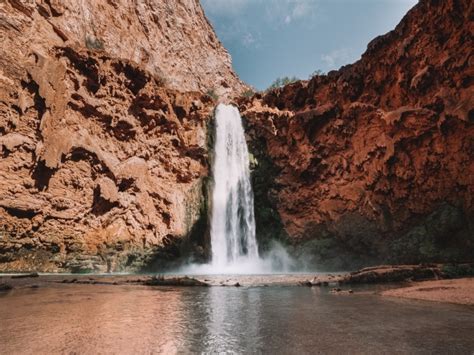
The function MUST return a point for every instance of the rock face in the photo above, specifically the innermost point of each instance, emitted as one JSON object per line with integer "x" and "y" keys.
{"x": 171, "y": 39}
{"x": 375, "y": 162}
{"x": 104, "y": 140}
{"x": 103, "y": 131}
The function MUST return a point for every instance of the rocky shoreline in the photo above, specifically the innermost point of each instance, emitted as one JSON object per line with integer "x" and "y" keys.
{"x": 445, "y": 283}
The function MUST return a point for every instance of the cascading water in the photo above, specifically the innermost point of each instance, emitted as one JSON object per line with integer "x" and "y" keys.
{"x": 233, "y": 223}
{"x": 234, "y": 248}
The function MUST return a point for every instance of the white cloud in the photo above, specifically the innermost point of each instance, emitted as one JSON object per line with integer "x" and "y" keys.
{"x": 276, "y": 11}
{"x": 288, "y": 11}
{"x": 230, "y": 17}
{"x": 303, "y": 9}
{"x": 336, "y": 58}
{"x": 248, "y": 40}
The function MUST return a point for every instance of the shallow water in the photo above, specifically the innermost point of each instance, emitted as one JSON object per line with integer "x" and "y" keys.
{"x": 134, "y": 319}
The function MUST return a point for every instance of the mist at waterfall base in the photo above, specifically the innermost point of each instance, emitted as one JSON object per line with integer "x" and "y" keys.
{"x": 234, "y": 248}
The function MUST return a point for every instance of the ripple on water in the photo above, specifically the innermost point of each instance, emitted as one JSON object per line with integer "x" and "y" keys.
{"x": 132, "y": 319}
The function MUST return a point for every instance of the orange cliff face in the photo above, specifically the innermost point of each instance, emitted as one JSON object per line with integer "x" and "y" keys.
{"x": 104, "y": 140}
{"x": 170, "y": 39}
{"x": 375, "y": 162}
{"x": 104, "y": 131}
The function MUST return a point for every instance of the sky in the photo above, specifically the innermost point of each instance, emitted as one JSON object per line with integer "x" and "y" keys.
{"x": 268, "y": 39}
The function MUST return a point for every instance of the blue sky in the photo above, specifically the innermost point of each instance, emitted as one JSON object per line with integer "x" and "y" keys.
{"x": 273, "y": 38}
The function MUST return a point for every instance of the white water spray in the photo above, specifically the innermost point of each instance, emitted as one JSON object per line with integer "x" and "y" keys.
{"x": 234, "y": 248}
{"x": 233, "y": 222}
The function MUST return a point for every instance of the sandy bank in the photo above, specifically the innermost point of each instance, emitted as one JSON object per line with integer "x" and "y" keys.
{"x": 460, "y": 291}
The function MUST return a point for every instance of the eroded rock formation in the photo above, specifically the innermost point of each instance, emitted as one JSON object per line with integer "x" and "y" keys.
{"x": 375, "y": 162}
{"x": 104, "y": 140}
{"x": 103, "y": 130}
{"x": 171, "y": 39}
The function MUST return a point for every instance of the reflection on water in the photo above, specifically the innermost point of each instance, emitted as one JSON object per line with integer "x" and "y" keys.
{"x": 116, "y": 319}
{"x": 233, "y": 313}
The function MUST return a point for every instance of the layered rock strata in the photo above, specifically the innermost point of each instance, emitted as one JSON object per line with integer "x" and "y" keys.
{"x": 104, "y": 131}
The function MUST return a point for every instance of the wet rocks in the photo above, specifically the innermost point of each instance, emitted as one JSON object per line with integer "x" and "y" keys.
{"x": 340, "y": 291}
{"x": 5, "y": 287}
{"x": 405, "y": 273}
{"x": 174, "y": 281}
{"x": 25, "y": 276}
{"x": 83, "y": 264}
{"x": 392, "y": 274}
{"x": 69, "y": 281}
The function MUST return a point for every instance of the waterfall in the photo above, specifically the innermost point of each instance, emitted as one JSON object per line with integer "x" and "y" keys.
{"x": 233, "y": 222}
{"x": 234, "y": 248}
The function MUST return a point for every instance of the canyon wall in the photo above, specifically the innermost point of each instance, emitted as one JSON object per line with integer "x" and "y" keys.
{"x": 104, "y": 131}
{"x": 374, "y": 162}
{"x": 105, "y": 120}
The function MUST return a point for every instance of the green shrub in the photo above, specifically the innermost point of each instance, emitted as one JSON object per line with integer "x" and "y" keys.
{"x": 94, "y": 44}
{"x": 279, "y": 82}
{"x": 452, "y": 271}
{"x": 248, "y": 93}
{"x": 317, "y": 72}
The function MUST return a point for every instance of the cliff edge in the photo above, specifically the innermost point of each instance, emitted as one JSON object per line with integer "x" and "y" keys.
{"x": 375, "y": 162}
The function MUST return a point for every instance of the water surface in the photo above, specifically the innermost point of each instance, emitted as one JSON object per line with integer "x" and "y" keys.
{"x": 278, "y": 320}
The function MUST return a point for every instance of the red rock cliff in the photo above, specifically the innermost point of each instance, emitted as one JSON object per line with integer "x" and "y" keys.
{"x": 103, "y": 130}
{"x": 375, "y": 161}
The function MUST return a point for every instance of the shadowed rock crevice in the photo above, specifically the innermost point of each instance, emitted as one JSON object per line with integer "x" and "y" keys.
{"x": 136, "y": 78}
{"x": 21, "y": 213}
{"x": 269, "y": 227}
{"x": 88, "y": 110}
{"x": 86, "y": 66}
{"x": 33, "y": 89}
{"x": 41, "y": 175}
{"x": 100, "y": 205}
{"x": 98, "y": 166}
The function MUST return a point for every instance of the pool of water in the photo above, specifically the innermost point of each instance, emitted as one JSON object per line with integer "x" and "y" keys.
{"x": 290, "y": 320}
